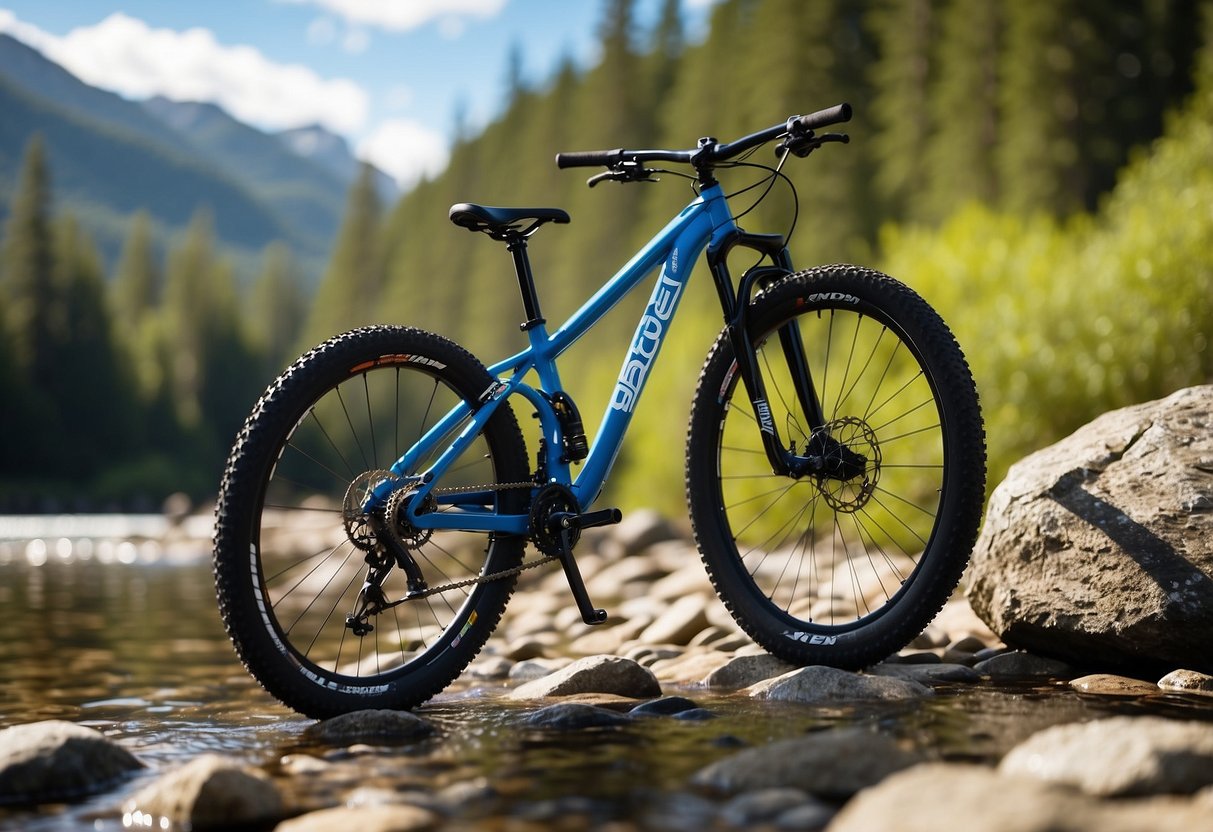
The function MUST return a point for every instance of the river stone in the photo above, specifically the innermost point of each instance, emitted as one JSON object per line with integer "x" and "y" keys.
{"x": 574, "y": 716}
{"x": 375, "y": 726}
{"x": 1119, "y": 756}
{"x": 638, "y": 531}
{"x": 1107, "y": 684}
{"x": 362, "y": 819}
{"x": 744, "y": 671}
{"x": 763, "y": 806}
{"x": 928, "y": 674}
{"x": 665, "y": 706}
{"x": 682, "y": 621}
{"x": 1187, "y": 681}
{"x": 1099, "y": 549}
{"x": 56, "y": 760}
{"x": 937, "y": 796}
{"x": 209, "y": 792}
{"x": 832, "y": 764}
{"x": 1018, "y": 664}
{"x": 819, "y": 684}
{"x": 594, "y": 674}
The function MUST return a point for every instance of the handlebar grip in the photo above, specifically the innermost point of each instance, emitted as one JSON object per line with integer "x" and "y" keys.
{"x": 588, "y": 158}
{"x": 824, "y": 118}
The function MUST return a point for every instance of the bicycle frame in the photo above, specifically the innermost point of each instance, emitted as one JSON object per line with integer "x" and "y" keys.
{"x": 707, "y": 220}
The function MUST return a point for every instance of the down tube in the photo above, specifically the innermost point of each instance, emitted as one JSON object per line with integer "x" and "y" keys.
{"x": 646, "y": 344}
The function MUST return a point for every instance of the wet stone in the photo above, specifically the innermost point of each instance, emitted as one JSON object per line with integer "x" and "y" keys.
{"x": 594, "y": 674}
{"x": 1187, "y": 681}
{"x": 574, "y": 716}
{"x": 1118, "y": 756}
{"x": 832, "y": 764}
{"x": 818, "y": 685}
{"x": 665, "y": 706}
{"x": 744, "y": 671}
{"x": 363, "y": 819}
{"x": 928, "y": 674}
{"x": 381, "y": 727}
{"x": 1017, "y": 664}
{"x": 56, "y": 760}
{"x": 1107, "y": 684}
{"x": 762, "y": 806}
{"x": 209, "y": 792}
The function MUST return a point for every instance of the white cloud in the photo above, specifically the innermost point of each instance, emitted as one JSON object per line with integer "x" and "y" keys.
{"x": 403, "y": 15}
{"x": 405, "y": 150}
{"x": 125, "y": 55}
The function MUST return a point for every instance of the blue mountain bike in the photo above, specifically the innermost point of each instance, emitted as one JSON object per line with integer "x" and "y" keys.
{"x": 376, "y": 508}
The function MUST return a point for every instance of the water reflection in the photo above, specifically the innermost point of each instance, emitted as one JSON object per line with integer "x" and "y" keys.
{"x": 137, "y": 651}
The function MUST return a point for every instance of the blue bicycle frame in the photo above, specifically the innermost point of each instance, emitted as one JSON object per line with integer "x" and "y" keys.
{"x": 706, "y": 220}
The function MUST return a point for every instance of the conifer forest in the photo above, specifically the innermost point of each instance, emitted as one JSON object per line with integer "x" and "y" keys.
{"x": 1038, "y": 171}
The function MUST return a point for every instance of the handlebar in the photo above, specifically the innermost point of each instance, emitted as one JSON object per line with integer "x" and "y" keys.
{"x": 710, "y": 151}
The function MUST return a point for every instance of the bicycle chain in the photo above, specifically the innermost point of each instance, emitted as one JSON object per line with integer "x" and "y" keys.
{"x": 494, "y": 576}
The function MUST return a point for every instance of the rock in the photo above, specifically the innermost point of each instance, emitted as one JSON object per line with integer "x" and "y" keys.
{"x": 594, "y": 674}
{"x": 665, "y": 706}
{"x": 691, "y": 667}
{"x": 763, "y": 806}
{"x": 832, "y": 764}
{"x": 574, "y": 716}
{"x": 744, "y": 671}
{"x": 532, "y": 669}
{"x": 1107, "y": 684}
{"x": 208, "y": 792}
{"x": 681, "y": 621}
{"x": 491, "y": 668}
{"x": 1099, "y": 549}
{"x": 928, "y": 674}
{"x": 375, "y": 726}
{"x": 362, "y": 818}
{"x": 827, "y": 684}
{"x": 56, "y": 760}
{"x": 638, "y": 531}
{"x": 974, "y": 798}
{"x": 1187, "y": 681}
{"x": 1017, "y": 664}
{"x": 1119, "y": 756}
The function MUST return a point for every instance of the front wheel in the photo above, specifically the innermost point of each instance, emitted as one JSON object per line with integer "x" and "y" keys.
{"x": 334, "y": 601}
{"x": 845, "y": 561}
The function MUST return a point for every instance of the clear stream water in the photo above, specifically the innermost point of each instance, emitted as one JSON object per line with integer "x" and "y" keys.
{"x": 125, "y": 638}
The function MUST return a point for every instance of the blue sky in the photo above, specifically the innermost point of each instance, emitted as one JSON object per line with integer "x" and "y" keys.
{"x": 389, "y": 75}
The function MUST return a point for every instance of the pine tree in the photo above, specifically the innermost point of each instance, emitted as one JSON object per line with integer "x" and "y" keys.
{"x": 137, "y": 281}
{"x": 904, "y": 31}
{"x": 277, "y": 309}
{"x": 26, "y": 267}
{"x": 187, "y": 296}
{"x": 349, "y": 294}
{"x": 964, "y": 107}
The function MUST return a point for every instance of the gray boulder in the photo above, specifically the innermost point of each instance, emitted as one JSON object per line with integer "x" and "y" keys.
{"x": 381, "y": 727}
{"x": 1118, "y": 756}
{"x": 831, "y": 764}
{"x": 937, "y": 796}
{"x": 594, "y": 674}
{"x": 209, "y": 792}
{"x": 1099, "y": 549}
{"x": 56, "y": 760}
{"x": 818, "y": 685}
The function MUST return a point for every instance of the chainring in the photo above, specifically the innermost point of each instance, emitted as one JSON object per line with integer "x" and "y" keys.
{"x": 551, "y": 500}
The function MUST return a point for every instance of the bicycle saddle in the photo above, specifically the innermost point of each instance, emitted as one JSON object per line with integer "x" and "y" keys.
{"x": 502, "y": 222}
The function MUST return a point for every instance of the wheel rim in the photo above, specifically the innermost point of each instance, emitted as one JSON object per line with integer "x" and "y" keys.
{"x": 312, "y": 556}
{"x": 834, "y": 553}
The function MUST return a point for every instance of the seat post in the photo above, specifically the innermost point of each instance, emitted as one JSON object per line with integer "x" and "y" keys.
{"x": 516, "y": 244}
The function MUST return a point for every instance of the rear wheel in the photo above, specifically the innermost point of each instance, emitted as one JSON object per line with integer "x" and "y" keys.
{"x": 295, "y": 547}
{"x": 846, "y": 565}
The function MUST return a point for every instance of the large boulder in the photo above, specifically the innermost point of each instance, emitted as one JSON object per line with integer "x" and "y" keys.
{"x": 1099, "y": 549}
{"x": 57, "y": 760}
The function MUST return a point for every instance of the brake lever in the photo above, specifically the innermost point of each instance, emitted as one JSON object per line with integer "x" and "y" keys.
{"x": 627, "y": 172}
{"x": 805, "y": 144}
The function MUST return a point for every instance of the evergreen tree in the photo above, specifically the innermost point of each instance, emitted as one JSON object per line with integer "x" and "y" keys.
{"x": 964, "y": 107}
{"x": 349, "y": 294}
{"x": 136, "y": 285}
{"x": 277, "y": 309}
{"x": 903, "y": 32}
{"x": 90, "y": 390}
{"x": 26, "y": 267}
{"x": 187, "y": 302}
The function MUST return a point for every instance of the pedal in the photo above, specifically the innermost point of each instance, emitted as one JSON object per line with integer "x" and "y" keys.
{"x": 567, "y": 523}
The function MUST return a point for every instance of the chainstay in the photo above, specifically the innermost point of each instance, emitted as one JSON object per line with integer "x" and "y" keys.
{"x": 493, "y": 576}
